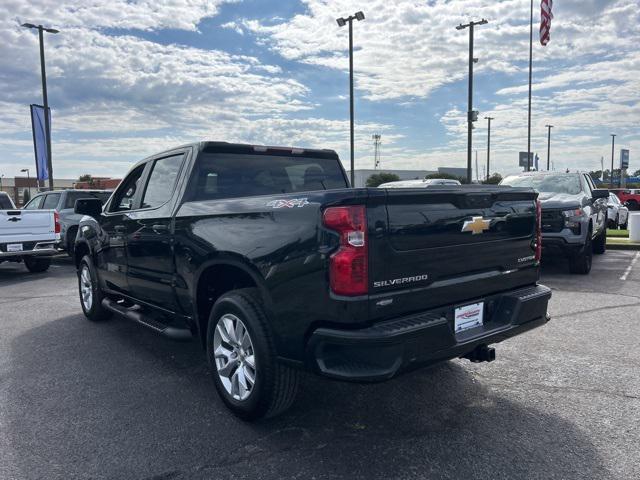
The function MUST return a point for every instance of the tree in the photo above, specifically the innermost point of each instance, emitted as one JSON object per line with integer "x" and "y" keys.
{"x": 85, "y": 178}
{"x": 380, "y": 178}
{"x": 26, "y": 196}
{"x": 636, "y": 173}
{"x": 494, "y": 179}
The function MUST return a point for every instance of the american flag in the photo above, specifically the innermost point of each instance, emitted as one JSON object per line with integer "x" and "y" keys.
{"x": 545, "y": 21}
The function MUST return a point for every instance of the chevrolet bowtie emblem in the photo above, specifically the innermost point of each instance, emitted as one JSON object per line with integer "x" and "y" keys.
{"x": 476, "y": 225}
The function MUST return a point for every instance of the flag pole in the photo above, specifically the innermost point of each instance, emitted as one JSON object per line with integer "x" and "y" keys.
{"x": 530, "y": 69}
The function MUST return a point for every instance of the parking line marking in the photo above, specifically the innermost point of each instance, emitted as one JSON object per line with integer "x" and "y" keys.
{"x": 628, "y": 270}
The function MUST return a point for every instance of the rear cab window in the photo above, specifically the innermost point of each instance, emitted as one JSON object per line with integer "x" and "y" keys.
{"x": 70, "y": 201}
{"x": 51, "y": 201}
{"x": 232, "y": 175}
{"x": 35, "y": 204}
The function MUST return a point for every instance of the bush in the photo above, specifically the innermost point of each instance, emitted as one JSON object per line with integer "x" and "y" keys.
{"x": 494, "y": 179}
{"x": 380, "y": 178}
{"x": 446, "y": 176}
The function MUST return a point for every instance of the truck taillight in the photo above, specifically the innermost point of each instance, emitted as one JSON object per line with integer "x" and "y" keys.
{"x": 348, "y": 267}
{"x": 56, "y": 221}
{"x": 538, "y": 231}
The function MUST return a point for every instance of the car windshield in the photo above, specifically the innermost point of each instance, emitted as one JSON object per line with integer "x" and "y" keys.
{"x": 569, "y": 184}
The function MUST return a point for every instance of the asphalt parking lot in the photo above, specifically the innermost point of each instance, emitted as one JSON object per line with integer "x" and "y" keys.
{"x": 113, "y": 400}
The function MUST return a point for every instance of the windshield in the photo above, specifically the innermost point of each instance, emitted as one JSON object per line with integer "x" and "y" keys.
{"x": 569, "y": 184}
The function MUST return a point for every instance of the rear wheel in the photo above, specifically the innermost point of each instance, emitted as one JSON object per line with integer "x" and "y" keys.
{"x": 37, "y": 264}
{"x": 580, "y": 262}
{"x": 242, "y": 358}
{"x": 90, "y": 294}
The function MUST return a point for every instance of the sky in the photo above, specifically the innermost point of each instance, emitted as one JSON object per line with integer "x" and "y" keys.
{"x": 129, "y": 78}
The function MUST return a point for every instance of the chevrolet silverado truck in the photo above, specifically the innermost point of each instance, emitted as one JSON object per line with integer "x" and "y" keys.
{"x": 574, "y": 214}
{"x": 269, "y": 259}
{"x": 28, "y": 236}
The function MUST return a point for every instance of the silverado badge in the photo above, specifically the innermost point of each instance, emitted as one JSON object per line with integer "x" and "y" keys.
{"x": 476, "y": 225}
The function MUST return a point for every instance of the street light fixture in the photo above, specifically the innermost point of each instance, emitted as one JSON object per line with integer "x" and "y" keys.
{"x": 341, "y": 23}
{"x": 488, "y": 143}
{"x": 471, "y": 115}
{"x": 549, "y": 127}
{"x": 47, "y": 127}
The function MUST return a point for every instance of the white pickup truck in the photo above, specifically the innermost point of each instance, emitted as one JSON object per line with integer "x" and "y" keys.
{"x": 28, "y": 236}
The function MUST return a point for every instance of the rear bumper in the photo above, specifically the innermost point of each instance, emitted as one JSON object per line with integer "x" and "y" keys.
{"x": 39, "y": 249}
{"x": 385, "y": 349}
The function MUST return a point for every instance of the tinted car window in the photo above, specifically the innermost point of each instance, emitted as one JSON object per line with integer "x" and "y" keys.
{"x": 5, "y": 203}
{"x": 70, "y": 201}
{"x": 162, "y": 181}
{"x": 51, "y": 201}
{"x": 569, "y": 184}
{"x": 124, "y": 196}
{"x": 35, "y": 203}
{"x": 238, "y": 175}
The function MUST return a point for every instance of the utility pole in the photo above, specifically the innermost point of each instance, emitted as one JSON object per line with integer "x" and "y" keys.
{"x": 530, "y": 78}
{"x": 472, "y": 116}
{"x": 341, "y": 23}
{"x": 477, "y": 179}
{"x": 45, "y": 100}
{"x": 549, "y": 127}
{"x": 613, "y": 142}
{"x": 488, "y": 144}
{"x": 376, "y": 150}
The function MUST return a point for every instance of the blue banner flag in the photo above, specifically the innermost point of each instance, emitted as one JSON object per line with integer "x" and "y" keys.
{"x": 40, "y": 140}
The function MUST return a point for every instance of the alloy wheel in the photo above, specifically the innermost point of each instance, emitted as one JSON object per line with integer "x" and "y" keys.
{"x": 234, "y": 357}
{"x": 86, "y": 288}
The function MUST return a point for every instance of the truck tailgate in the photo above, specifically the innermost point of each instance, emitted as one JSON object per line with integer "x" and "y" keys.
{"x": 26, "y": 226}
{"x": 447, "y": 246}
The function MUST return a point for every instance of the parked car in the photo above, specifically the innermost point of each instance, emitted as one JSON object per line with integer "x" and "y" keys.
{"x": 30, "y": 237}
{"x": 63, "y": 201}
{"x": 274, "y": 264}
{"x": 574, "y": 214}
{"x": 618, "y": 213}
{"x": 629, "y": 197}
{"x": 430, "y": 182}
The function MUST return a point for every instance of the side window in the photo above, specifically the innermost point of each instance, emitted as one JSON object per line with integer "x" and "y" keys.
{"x": 51, "y": 201}
{"x": 5, "y": 202}
{"x": 123, "y": 198}
{"x": 162, "y": 181}
{"x": 588, "y": 185}
{"x": 35, "y": 203}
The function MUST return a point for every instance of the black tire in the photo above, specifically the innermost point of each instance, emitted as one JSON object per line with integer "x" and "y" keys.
{"x": 600, "y": 243}
{"x": 275, "y": 385}
{"x": 37, "y": 264}
{"x": 95, "y": 311}
{"x": 580, "y": 262}
{"x": 70, "y": 241}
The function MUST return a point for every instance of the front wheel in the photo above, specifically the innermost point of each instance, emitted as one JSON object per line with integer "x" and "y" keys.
{"x": 90, "y": 294}
{"x": 37, "y": 264}
{"x": 580, "y": 262}
{"x": 242, "y": 358}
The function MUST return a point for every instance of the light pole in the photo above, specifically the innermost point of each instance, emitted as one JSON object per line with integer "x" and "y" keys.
{"x": 549, "y": 127}
{"x": 530, "y": 75}
{"x": 341, "y": 23}
{"x": 28, "y": 179}
{"x": 471, "y": 115}
{"x": 45, "y": 100}
{"x": 488, "y": 144}
{"x": 613, "y": 142}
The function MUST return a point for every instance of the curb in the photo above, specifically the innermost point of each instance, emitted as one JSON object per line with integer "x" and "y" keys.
{"x": 622, "y": 246}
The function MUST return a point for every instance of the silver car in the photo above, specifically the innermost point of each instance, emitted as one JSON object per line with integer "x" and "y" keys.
{"x": 618, "y": 212}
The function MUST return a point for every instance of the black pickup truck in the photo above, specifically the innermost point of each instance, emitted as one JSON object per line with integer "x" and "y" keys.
{"x": 269, "y": 259}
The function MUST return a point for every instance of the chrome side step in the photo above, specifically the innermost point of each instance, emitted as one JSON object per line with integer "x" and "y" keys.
{"x": 179, "y": 334}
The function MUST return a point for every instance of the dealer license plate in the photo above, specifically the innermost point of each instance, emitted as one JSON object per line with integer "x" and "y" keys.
{"x": 469, "y": 316}
{"x": 14, "y": 247}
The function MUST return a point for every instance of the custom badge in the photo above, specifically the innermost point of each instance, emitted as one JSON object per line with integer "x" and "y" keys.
{"x": 294, "y": 202}
{"x": 476, "y": 225}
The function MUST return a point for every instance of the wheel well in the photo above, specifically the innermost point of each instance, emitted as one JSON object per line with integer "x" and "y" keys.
{"x": 80, "y": 251}
{"x": 213, "y": 283}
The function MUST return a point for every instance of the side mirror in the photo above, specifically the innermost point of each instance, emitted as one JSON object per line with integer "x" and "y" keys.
{"x": 88, "y": 206}
{"x": 600, "y": 193}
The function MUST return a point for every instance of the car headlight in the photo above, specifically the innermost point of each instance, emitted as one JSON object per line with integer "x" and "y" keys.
{"x": 572, "y": 218}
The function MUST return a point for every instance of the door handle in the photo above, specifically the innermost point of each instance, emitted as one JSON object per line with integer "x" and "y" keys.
{"x": 159, "y": 228}
{"x": 119, "y": 228}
